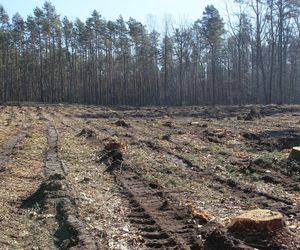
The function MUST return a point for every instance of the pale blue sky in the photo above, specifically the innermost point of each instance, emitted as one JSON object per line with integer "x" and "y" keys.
{"x": 111, "y": 9}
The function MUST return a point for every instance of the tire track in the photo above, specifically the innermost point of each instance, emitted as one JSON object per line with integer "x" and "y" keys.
{"x": 265, "y": 200}
{"x": 246, "y": 193}
{"x": 164, "y": 223}
{"x": 12, "y": 116}
{"x": 53, "y": 196}
{"x": 7, "y": 148}
{"x": 147, "y": 201}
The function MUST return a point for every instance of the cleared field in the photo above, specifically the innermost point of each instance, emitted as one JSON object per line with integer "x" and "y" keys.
{"x": 87, "y": 177}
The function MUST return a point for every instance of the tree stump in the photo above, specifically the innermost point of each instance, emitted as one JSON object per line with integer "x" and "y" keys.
{"x": 253, "y": 115}
{"x": 295, "y": 154}
{"x": 259, "y": 221}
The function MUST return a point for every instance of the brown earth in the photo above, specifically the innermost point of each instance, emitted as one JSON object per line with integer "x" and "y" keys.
{"x": 86, "y": 177}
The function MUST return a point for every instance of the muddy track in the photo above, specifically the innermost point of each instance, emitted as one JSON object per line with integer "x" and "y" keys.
{"x": 53, "y": 196}
{"x": 163, "y": 222}
{"x": 276, "y": 176}
{"x": 60, "y": 117}
{"x": 273, "y": 176}
{"x": 53, "y": 165}
{"x": 262, "y": 199}
{"x": 40, "y": 114}
{"x": 12, "y": 116}
{"x": 7, "y": 148}
{"x": 162, "y": 226}
{"x": 148, "y": 216}
{"x": 245, "y": 193}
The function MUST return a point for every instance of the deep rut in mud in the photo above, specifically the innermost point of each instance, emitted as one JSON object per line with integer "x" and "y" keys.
{"x": 162, "y": 224}
{"x": 163, "y": 221}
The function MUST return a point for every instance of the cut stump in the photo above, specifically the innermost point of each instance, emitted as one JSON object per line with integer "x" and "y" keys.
{"x": 295, "y": 154}
{"x": 260, "y": 221}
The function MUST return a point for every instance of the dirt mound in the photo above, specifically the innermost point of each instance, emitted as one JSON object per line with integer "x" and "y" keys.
{"x": 168, "y": 124}
{"x": 253, "y": 114}
{"x": 221, "y": 239}
{"x": 122, "y": 123}
{"x": 166, "y": 137}
{"x": 87, "y": 133}
{"x": 217, "y": 135}
{"x": 250, "y": 136}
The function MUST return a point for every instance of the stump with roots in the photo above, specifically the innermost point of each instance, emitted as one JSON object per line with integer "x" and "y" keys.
{"x": 295, "y": 154}
{"x": 258, "y": 222}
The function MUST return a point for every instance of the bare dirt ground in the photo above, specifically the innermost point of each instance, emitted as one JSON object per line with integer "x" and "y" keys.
{"x": 87, "y": 177}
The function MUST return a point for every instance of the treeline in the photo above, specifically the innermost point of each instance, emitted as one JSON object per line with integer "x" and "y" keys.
{"x": 46, "y": 58}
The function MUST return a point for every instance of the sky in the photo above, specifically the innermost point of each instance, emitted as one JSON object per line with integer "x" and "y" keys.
{"x": 141, "y": 10}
